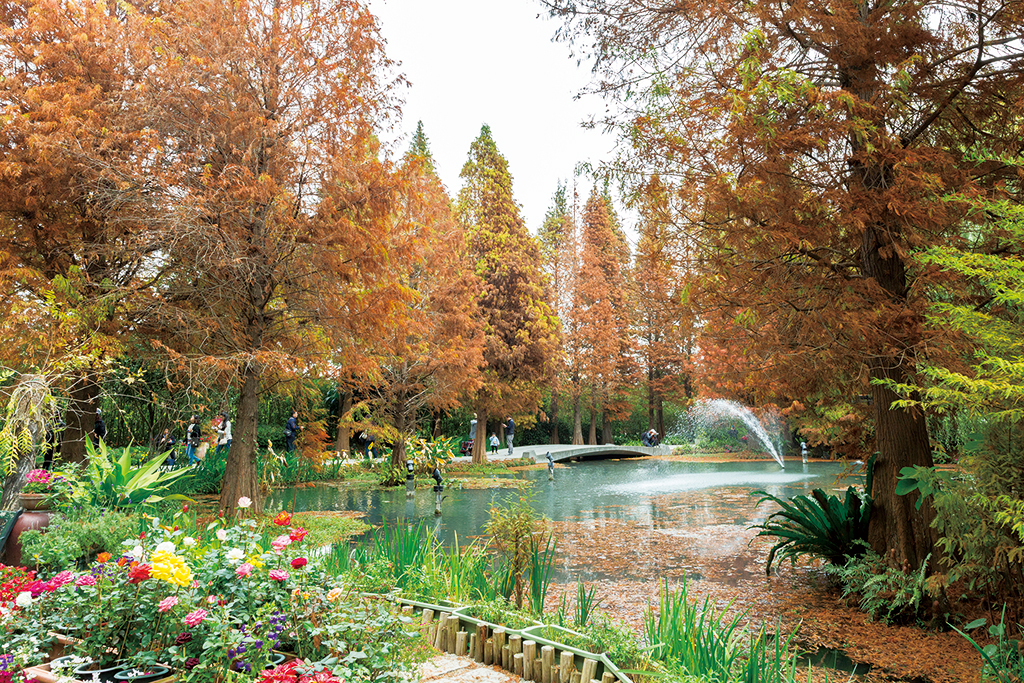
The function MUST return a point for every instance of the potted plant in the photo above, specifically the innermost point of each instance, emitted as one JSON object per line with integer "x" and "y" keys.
{"x": 36, "y": 492}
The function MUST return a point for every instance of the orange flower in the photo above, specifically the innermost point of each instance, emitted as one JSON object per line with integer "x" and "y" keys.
{"x": 283, "y": 519}
{"x": 102, "y": 557}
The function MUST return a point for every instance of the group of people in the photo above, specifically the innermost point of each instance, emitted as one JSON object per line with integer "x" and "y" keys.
{"x": 193, "y": 440}
{"x": 510, "y": 433}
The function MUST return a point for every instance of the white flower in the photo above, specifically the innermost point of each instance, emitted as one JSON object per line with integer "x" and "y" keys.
{"x": 188, "y": 541}
{"x": 235, "y": 554}
{"x": 166, "y": 546}
{"x": 222, "y": 535}
{"x": 23, "y": 600}
{"x": 244, "y": 502}
{"x": 137, "y": 553}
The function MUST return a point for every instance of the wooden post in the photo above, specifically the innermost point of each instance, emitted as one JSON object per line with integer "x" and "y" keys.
{"x": 460, "y": 643}
{"x": 489, "y": 652}
{"x": 442, "y": 631}
{"x": 608, "y": 677}
{"x": 589, "y": 670}
{"x": 575, "y": 677}
{"x": 555, "y": 673}
{"x": 481, "y": 638}
{"x": 453, "y": 628}
{"x": 505, "y": 663}
{"x": 515, "y": 644}
{"x": 529, "y": 654}
{"x": 547, "y": 659}
{"x": 472, "y": 646}
{"x": 567, "y": 666}
{"x": 406, "y": 610}
{"x": 517, "y": 664}
{"x": 425, "y": 618}
{"x": 538, "y": 670}
{"x": 499, "y": 642}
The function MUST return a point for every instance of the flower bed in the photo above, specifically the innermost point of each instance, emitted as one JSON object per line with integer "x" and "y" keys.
{"x": 212, "y": 603}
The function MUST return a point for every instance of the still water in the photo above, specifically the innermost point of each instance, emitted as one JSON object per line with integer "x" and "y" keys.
{"x": 641, "y": 491}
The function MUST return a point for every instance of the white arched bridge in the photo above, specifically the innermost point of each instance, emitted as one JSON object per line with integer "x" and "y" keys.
{"x": 564, "y": 452}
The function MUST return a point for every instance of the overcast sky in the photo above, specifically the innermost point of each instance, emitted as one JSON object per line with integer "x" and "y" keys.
{"x": 473, "y": 62}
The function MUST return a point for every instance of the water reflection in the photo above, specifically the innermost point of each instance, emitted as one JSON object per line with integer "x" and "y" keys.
{"x": 649, "y": 493}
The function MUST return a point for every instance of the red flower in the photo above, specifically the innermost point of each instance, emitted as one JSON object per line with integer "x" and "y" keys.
{"x": 102, "y": 557}
{"x": 299, "y": 562}
{"x": 283, "y": 519}
{"x": 297, "y": 534}
{"x": 122, "y": 561}
{"x": 139, "y": 573}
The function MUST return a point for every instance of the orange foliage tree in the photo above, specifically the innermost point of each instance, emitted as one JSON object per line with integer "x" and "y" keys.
{"x": 432, "y": 353}
{"x": 810, "y": 148}
{"x": 279, "y": 208}
{"x": 662, "y": 321}
{"x": 77, "y": 249}
{"x": 521, "y": 331}
{"x": 600, "y": 309}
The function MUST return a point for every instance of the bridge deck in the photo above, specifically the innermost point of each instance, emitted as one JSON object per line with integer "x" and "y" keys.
{"x": 563, "y": 452}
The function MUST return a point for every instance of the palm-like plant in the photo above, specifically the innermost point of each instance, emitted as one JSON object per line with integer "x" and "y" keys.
{"x": 114, "y": 483}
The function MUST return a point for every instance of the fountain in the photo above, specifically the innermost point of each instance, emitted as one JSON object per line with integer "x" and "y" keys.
{"x": 709, "y": 412}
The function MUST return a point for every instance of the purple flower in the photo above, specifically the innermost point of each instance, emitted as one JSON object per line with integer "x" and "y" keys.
{"x": 190, "y": 663}
{"x": 183, "y": 638}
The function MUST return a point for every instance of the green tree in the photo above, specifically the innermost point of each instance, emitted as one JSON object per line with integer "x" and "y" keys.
{"x": 521, "y": 331}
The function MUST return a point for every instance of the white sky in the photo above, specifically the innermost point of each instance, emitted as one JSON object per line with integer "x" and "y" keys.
{"x": 473, "y": 62}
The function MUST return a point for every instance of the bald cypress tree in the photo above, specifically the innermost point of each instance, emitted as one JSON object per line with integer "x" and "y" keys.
{"x": 521, "y": 328}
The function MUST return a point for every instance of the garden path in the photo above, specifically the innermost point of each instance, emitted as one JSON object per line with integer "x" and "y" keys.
{"x": 454, "y": 669}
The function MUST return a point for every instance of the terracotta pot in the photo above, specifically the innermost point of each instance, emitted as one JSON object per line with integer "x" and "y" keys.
{"x": 33, "y": 501}
{"x": 27, "y": 520}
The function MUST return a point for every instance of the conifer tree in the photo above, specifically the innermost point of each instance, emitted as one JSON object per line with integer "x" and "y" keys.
{"x": 520, "y": 327}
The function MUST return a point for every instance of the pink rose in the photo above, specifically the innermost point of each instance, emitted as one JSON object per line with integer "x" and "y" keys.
{"x": 278, "y": 574}
{"x": 281, "y": 542}
{"x": 299, "y": 562}
{"x": 297, "y": 534}
{"x": 62, "y": 579}
{"x": 166, "y": 604}
{"x": 195, "y": 618}
{"x": 244, "y": 570}
{"x": 86, "y": 580}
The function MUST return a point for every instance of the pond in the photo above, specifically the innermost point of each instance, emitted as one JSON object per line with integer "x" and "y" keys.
{"x": 645, "y": 492}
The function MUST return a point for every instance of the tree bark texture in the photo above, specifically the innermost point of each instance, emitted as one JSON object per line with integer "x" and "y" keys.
{"x": 480, "y": 442}
{"x": 577, "y": 422}
{"x": 240, "y": 476}
{"x": 80, "y": 418}
{"x": 344, "y": 440}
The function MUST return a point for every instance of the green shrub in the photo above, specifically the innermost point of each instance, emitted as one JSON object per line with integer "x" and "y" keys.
{"x": 75, "y": 539}
{"x": 1003, "y": 660}
{"x": 821, "y": 525}
{"x": 885, "y": 593}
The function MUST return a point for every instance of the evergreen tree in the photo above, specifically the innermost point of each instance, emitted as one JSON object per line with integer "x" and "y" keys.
{"x": 521, "y": 328}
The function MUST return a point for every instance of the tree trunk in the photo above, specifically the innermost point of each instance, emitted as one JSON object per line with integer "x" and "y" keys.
{"x": 897, "y": 529}
{"x": 80, "y": 417}
{"x": 240, "y": 476}
{"x": 577, "y": 422}
{"x": 650, "y": 401}
{"x": 480, "y": 442}
{"x": 592, "y": 432}
{"x": 553, "y": 439}
{"x": 398, "y": 449}
{"x": 606, "y": 427}
{"x": 659, "y": 414}
{"x": 436, "y": 432}
{"x": 343, "y": 442}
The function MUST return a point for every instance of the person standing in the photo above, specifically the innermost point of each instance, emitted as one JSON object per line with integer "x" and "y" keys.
{"x": 193, "y": 437}
{"x": 99, "y": 428}
{"x": 223, "y": 436}
{"x": 166, "y": 445}
{"x": 494, "y": 443}
{"x": 291, "y": 430}
{"x": 510, "y": 432}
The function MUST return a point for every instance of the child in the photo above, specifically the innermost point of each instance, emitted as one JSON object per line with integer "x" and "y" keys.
{"x": 494, "y": 443}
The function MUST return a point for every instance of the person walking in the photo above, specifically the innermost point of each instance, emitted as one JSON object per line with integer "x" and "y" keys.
{"x": 291, "y": 430}
{"x": 193, "y": 437}
{"x": 510, "y": 432}
{"x": 494, "y": 443}
{"x": 223, "y": 435}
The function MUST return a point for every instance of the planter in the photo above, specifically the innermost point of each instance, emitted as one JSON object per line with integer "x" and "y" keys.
{"x": 147, "y": 675}
{"x": 276, "y": 658}
{"x": 27, "y": 520}
{"x": 33, "y": 501}
{"x": 89, "y": 672}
